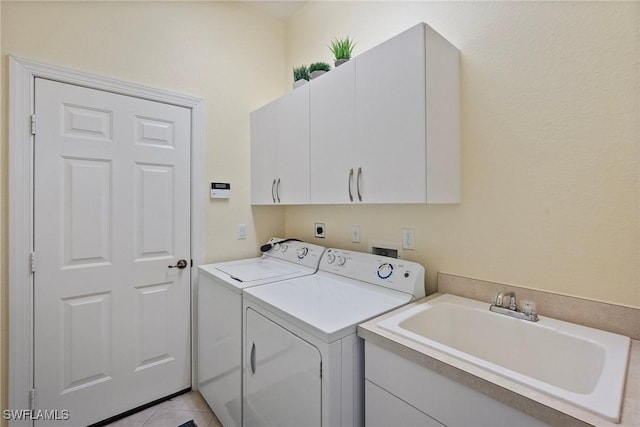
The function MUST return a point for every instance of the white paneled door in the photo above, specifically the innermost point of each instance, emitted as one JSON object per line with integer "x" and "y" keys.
{"x": 112, "y": 209}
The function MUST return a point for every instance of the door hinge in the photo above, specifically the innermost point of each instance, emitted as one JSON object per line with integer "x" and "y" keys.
{"x": 33, "y": 124}
{"x": 191, "y": 263}
{"x": 32, "y": 399}
{"x": 320, "y": 369}
{"x": 33, "y": 262}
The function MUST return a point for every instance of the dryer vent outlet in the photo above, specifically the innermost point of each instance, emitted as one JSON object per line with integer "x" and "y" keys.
{"x": 388, "y": 249}
{"x": 319, "y": 229}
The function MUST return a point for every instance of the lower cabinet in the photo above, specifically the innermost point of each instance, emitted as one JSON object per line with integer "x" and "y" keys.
{"x": 383, "y": 409}
{"x": 401, "y": 393}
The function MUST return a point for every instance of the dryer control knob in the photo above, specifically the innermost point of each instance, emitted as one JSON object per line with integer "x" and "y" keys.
{"x": 284, "y": 247}
{"x": 341, "y": 260}
{"x": 276, "y": 246}
{"x": 385, "y": 270}
{"x": 302, "y": 252}
{"x": 330, "y": 258}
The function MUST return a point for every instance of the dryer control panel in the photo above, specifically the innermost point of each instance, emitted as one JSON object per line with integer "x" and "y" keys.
{"x": 392, "y": 273}
{"x": 303, "y": 253}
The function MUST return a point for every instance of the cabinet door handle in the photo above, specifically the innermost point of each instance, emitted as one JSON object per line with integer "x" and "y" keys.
{"x": 273, "y": 184}
{"x": 349, "y": 184}
{"x": 358, "y": 183}
{"x": 278, "y": 190}
{"x": 252, "y": 359}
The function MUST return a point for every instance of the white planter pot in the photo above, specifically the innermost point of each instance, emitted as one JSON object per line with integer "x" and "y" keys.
{"x": 299, "y": 83}
{"x": 316, "y": 73}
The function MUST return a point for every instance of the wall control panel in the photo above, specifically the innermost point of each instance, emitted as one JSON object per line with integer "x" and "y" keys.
{"x": 220, "y": 190}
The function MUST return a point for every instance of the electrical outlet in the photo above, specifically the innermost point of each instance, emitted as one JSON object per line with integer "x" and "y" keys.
{"x": 355, "y": 233}
{"x": 319, "y": 229}
{"x": 408, "y": 238}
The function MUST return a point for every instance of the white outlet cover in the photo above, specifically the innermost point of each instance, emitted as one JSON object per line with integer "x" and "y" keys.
{"x": 319, "y": 229}
{"x": 355, "y": 233}
{"x": 242, "y": 231}
{"x": 408, "y": 238}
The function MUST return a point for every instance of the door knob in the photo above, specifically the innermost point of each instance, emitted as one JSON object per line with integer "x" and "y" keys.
{"x": 182, "y": 263}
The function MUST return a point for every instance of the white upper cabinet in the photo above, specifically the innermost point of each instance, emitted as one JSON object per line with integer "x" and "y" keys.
{"x": 381, "y": 128}
{"x": 442, "y": 118}
{"x": 292, "y": 186}
{"x": 280, "y": 150}
{"x": 408, "y": 119}
{"x": 333, "y": 136}
{"x": 390, "y": 120}
{"x": 264, "y": 151}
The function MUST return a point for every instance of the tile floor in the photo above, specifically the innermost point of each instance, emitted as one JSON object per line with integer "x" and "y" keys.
{"x": 172, "y": 413}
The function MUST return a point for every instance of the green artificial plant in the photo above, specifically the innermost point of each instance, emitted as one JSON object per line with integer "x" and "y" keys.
{"x": 319, "y": 66}
{"x": 300, "y": 73}
{"x": 342, "y": 48}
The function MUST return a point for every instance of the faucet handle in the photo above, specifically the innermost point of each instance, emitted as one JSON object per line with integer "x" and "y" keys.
{"x": 529, "y": 307}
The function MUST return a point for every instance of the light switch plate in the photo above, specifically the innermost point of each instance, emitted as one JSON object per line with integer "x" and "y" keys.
{"x": 355, "y": 233}
{"x": 242, "y": 231}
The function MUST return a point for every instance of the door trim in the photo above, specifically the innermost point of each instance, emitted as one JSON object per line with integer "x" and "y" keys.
{"x": 22, "y": 75}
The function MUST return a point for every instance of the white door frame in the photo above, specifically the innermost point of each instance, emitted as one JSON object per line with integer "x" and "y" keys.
{"x": 22, "y": 75}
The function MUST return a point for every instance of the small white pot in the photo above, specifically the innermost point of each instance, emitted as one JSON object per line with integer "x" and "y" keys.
{"x": 316, "y": 73}
{"x": 299, "y": 83}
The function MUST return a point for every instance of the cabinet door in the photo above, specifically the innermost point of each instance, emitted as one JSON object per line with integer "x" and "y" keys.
{"x": 264, "y": 137}
{"x": 383, "y": 409}
{"x": 332, "y": 134}
{"x": 282, "y": 385}
{"x": 293, "y": 147}
{"x": 390, "y": 96}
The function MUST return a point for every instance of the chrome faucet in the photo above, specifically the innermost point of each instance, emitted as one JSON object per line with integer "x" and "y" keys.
{"x": 498, "y": 306}
{"x": 512, "y": 301}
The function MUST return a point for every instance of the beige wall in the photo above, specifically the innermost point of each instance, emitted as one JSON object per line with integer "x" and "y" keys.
{"x": 550, "y": 127}
{"x": 230, "y": 55}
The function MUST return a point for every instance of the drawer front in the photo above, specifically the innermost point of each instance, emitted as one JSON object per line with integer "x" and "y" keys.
{"x": 383, "y": 409}
{"x": 443, "y": 399}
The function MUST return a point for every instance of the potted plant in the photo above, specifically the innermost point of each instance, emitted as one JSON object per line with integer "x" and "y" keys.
{"x": 300, "y": 75}
{"x": 342, "y": 49}
{"x": 318, "y": 68}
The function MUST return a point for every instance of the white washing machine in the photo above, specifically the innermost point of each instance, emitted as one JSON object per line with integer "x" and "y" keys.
{"x": 220, "y": 289}
{"x": 303, "y": 362}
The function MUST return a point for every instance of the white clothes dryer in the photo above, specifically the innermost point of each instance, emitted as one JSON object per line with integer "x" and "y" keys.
{"x": 303, "y": 361}
{"x": 220, "y": 289}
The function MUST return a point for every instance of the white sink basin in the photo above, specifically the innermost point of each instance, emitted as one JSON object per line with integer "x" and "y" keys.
{"x": 580, "y": 365}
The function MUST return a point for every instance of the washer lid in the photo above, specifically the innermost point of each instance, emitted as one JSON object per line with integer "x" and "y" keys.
{"x": 254, "y": 271}
{"x": 327, "y": 305}
{"x": 262, "y": 270}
